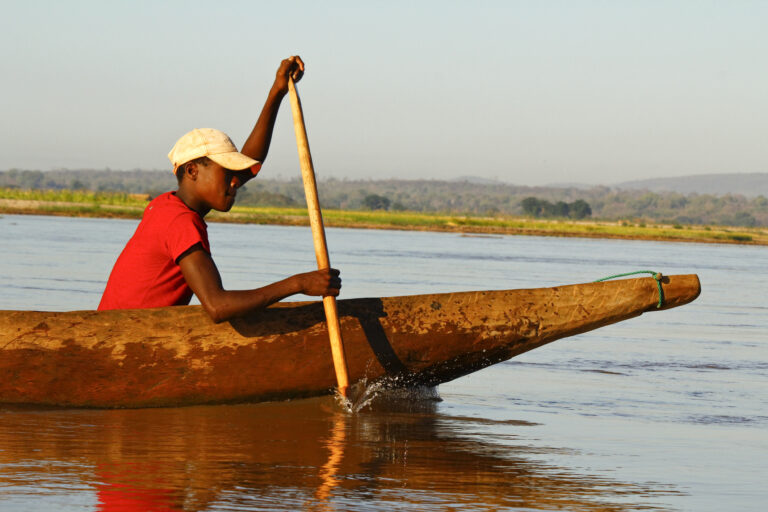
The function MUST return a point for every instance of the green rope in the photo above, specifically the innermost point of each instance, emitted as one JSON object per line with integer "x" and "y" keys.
{"x": 656, "y": 275}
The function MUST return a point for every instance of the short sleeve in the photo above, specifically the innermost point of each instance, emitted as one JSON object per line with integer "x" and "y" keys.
{"x": 185, "y": 231}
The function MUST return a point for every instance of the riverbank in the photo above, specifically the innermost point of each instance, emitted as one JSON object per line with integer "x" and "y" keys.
{"x": 131, "y": 206}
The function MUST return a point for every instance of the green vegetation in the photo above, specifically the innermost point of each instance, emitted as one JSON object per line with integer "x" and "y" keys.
{"x": 136, "y": 182}
{"x": 460, "y": 198}
{"x": 490, "y": 225}
{"x": 376, "y": 202}
{"x": 82, "y": 197}
{"x": 460, "y": 206}
{"x": 535, "y": 207}
{"x": 118, "y": 204}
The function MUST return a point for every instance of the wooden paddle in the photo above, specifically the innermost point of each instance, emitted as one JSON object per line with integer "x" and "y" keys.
{"x": 318, "y": 234}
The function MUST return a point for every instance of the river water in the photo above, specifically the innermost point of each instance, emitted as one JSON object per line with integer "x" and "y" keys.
{"x": 668, "y": 411}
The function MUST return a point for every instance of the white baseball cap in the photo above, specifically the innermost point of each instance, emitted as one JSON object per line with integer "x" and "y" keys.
{"x": 214, "y": 144}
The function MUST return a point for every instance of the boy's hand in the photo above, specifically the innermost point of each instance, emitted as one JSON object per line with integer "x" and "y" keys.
{"x": 291, "y": 67}
{"x": 320, "y": 282}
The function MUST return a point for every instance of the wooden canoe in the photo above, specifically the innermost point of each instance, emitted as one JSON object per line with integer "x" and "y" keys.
{"x": 177, "y": 356}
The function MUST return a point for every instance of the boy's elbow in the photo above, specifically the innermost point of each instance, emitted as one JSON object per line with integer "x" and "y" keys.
{"x": 215, "y": 312}
{"x": 216, "y": 317}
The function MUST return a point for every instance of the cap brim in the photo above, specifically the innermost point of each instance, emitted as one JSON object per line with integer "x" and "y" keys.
{"x": 233, "y": 161}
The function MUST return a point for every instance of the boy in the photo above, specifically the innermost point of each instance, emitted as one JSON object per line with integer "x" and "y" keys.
{"x": 168, "y": 258}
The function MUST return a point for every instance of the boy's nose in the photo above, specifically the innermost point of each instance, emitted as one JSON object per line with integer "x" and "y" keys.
{"x": 235, "y": 183}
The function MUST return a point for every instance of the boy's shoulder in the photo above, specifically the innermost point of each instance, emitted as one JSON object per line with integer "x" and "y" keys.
{"x": 166, "y": 216}
{"x": 167, "y": 200}
{"x": 169, "y": 206}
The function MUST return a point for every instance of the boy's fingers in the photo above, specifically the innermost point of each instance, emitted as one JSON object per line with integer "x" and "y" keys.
{"x": 297, "y": 68}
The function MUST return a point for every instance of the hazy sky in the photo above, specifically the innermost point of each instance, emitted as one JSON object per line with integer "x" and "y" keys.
{"x": 529, "y": 92}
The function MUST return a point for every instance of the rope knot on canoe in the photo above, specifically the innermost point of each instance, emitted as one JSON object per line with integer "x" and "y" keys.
{"x": 656, "y": 275}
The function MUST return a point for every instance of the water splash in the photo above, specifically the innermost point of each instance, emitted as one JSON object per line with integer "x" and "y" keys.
{"x": 390, "y": 392}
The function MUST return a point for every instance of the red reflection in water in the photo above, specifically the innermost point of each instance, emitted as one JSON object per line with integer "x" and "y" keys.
{"x": 116, "y": 492}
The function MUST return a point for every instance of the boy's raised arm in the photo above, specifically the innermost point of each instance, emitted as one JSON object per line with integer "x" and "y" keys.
{"x": 257, "y": 144}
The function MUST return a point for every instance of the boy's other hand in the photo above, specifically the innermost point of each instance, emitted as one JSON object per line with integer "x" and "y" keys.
{"x": 320, "y": 282}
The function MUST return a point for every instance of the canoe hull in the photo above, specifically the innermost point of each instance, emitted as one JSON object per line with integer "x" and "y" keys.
{"x": 177, "y": 356}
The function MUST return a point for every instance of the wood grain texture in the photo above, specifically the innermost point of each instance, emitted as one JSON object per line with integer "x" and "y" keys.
{"x": 178, "y": 356}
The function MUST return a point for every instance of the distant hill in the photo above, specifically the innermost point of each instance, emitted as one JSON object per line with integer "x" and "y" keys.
{"x": 746, "y": 184}
{"x": 479, "y": 180}
{"x": 573, "y": 185}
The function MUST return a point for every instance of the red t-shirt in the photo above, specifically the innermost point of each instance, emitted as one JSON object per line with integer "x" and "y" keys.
{"x": 146, "y": 274}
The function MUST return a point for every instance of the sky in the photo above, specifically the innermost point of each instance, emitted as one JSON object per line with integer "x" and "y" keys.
{"x": 526, "y": 92}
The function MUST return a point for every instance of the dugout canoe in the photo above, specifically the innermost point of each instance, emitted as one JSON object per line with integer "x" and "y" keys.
{"x": 177, "y": 356}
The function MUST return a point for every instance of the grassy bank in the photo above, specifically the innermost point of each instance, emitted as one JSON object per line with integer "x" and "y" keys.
{"x": 104, "y": 204}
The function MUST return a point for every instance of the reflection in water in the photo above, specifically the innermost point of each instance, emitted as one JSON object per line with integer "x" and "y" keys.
{"x": 329, "y": 472}
{"x": 131, "y": 487}
{"x": 307, "y": 454}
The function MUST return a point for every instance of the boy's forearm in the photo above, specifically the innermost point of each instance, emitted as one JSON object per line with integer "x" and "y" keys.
{"x": 203, "y": 278}
{"x": 257, "y": 144}
{"x": 226, "y": 304}
{"x": 223, "y": 305}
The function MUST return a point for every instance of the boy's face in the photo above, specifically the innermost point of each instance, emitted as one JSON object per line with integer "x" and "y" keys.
{"x": 217, "y": 186}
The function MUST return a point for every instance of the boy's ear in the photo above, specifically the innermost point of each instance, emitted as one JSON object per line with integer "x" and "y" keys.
{"x": 191, "y": 170}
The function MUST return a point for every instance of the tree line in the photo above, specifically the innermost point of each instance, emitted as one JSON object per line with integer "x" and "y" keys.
{"x": 536, "y": 207}
{"x": 438, "y": 196}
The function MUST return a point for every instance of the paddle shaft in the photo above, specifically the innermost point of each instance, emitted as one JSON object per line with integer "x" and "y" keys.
{"x": 318, "y": 235}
